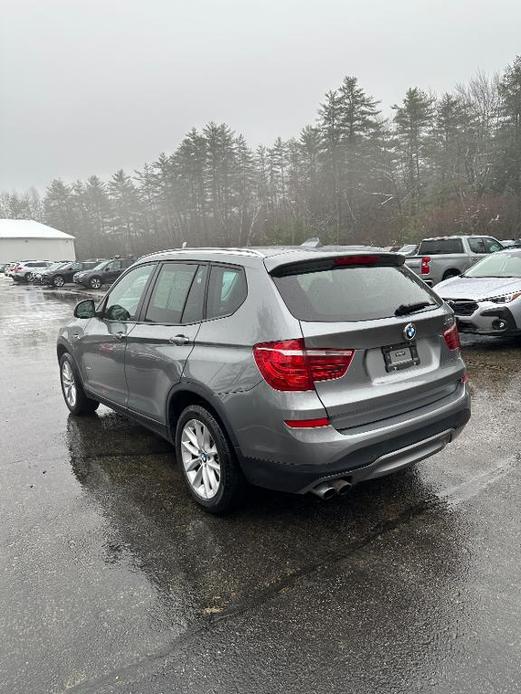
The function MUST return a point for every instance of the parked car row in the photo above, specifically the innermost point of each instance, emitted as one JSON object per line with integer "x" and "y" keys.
{"x": 478, "y": 277}
{"x": 300, "y": 369}
{"x": 93, "y": 273}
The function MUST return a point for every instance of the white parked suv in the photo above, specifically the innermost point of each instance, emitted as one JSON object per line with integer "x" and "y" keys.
{"x": 24, "y": 270}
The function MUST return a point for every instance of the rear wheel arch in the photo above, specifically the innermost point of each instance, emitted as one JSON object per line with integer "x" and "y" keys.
{"x": 186, "y": 394}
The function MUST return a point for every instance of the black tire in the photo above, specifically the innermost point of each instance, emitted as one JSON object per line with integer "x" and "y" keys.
{"x": 95, "y": 283}
{"x": 82, "y": 405}
{"x": 58, "y": 281}
{"x": 451, "y": 273}
{"x": 27, "y": 277}
{"x": 231, "y": 480}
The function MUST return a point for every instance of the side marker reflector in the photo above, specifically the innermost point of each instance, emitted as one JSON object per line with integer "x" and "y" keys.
{"x": 307, "y": 423}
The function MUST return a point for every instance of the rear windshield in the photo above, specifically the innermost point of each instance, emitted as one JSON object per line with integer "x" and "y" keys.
{"x": 439, "y": 246}
{"x": 354, "y": 293}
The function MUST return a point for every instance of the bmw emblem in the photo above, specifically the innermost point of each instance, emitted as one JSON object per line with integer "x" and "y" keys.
{"x": 409, "y": 332}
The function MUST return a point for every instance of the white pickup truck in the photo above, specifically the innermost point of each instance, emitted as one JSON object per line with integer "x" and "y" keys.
{"x": 442, "y": 257}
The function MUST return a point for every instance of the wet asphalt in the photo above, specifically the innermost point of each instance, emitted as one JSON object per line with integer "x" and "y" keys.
{"x": 112, "y": 580}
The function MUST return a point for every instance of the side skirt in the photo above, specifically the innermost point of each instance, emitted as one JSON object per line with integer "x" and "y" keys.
{"x": 146, "y": 422}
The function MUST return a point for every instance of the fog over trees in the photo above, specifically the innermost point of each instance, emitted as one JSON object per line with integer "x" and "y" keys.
{"x": 438, "y": 164}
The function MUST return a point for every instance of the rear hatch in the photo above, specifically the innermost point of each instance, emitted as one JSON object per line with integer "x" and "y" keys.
{"x": 374, "y": 305}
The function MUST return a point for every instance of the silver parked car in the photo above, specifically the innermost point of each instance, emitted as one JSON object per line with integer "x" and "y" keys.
{"x": 486, "y": 299}
{"x": 297, "y": 369}
{"x": 448, "y": 256}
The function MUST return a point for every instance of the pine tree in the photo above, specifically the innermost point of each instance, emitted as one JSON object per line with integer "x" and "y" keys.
{"x": 331, "y": 128}
{"x": 59, "y": 207}
{"x": 414, "y": 121}
{"x": 126, "y": 220}
{"x": 508, "y": 166}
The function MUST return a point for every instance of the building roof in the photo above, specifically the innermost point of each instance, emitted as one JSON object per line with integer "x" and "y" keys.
{"x": 29, "y": 229}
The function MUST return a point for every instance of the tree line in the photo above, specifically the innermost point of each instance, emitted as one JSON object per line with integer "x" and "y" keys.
{"x": 436, "y": 165}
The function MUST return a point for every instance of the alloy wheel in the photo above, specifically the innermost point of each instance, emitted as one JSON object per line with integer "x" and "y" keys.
{"x": 69, "y": 384}
{"x": 95, "y": 283}
{"x": 59, "y": 282}
{"x": 200, "y": 459}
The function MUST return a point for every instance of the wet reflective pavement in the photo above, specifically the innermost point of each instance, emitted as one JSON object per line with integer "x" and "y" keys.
{"x": 111, "y": 580}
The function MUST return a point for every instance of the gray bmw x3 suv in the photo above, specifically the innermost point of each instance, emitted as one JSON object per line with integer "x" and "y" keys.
{"x": 296, "y": 369}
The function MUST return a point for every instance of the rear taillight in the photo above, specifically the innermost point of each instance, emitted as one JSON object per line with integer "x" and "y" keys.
{"x": 426, "y": 265}
{"x": 289, "y": 365}
{"x": 451, "y": 336}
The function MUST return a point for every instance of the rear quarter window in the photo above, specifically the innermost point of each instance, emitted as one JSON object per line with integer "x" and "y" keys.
{"x": 352, "y": 294}
{"x": 227, "y": 290}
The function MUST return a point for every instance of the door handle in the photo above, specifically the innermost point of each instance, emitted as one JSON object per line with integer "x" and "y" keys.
{"x": 179, "y": 340}
{"x": 120, "y": 336}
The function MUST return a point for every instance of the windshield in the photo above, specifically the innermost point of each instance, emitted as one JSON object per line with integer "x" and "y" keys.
{"x": 55, "y": 266}
{"x": 497, "y": 265}
{"x": 100, "y": 266}
{"x": 353, "y": 294}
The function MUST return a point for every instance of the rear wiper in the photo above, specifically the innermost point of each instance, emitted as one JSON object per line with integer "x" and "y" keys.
{"x": 404, "y": 309}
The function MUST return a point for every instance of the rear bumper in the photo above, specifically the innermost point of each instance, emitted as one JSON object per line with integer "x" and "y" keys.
{"x": 365, "y": 453}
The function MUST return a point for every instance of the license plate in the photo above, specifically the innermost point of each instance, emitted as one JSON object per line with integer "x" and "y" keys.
{"x": 401, "y": 356}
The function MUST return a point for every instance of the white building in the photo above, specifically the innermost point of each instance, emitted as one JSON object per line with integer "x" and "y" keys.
{"x": 24, "y": 239}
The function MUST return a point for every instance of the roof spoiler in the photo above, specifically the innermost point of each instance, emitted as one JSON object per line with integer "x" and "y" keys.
{"x": 337, "y": 260}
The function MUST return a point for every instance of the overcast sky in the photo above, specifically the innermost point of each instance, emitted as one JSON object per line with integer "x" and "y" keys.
{"x": 90, "y": 86}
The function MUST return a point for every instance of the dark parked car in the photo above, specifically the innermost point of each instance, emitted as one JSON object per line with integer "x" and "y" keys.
{"x": 103, "y": 273}
{"x": 63, "y": 273}
{"x": 298, "y": 369}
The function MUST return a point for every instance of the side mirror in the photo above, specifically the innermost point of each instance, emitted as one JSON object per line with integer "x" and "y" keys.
{"x": 85, "y": 309}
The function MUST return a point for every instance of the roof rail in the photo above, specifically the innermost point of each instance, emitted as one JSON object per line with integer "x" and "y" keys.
{"x": 211, "y": 249}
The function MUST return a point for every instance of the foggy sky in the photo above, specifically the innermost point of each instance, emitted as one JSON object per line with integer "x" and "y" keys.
{"x": 90, "y": 86}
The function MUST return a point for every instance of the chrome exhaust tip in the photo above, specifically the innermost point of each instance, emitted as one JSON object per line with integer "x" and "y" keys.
{"x": 324, "y": 490}
{"x": 342, "y": 487}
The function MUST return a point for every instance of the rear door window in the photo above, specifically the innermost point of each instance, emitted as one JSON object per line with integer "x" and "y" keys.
{"x": 227, "y": 290}
{"x": 170, "y": 293}
{"x": 194, "y": 305}
{"x": 440, "y": 246}
{"x": 352, "y": 294}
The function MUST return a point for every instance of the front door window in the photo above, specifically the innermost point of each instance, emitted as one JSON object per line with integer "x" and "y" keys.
{"x": 123, "y": 301}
